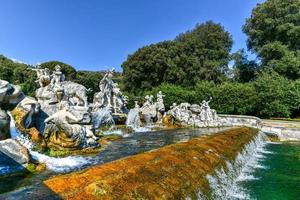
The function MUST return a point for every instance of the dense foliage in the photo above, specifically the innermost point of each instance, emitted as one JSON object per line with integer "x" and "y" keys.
{"x": 271, "y": 95}
{"x": 274, "y": 34}
{"x": 244, "y": 70}
{"x": 23, "y": 75}
{"x": 68, "y": 70}
{"x": 199, "y": 54}
{"x": 19, "y": 74}
{"x": 90, "y": 80}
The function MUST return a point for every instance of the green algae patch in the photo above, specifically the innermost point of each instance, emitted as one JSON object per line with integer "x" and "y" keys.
{"x": 55, "y": 152}
{"x": 172, "y": 172}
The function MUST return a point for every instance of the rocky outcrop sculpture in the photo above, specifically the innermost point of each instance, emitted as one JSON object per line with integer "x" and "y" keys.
{"x": 102, "y": 117}
{"x": 4, "y": 125}
{"x": 196, "y": 115}
{"x": 10, "y": 96}
{"x": 15, "y": 151}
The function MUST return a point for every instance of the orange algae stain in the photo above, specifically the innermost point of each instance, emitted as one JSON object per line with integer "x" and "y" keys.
{"x": 172, "y": 172}
{"x": 19, "y": 116}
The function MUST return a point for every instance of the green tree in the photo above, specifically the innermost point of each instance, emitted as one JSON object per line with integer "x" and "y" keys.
{"x": 18, "y": 74}
{"x": 244, "y": 70}
{"x": 68, "y": 70}
{"x": 275, "y": 96}
{"x": 199, "y": 54}
{"x": 90, "y": 80}
{"x": 274, "y": 34}
{"x": 228, "y": 97}
{"x": 147, "y": 67}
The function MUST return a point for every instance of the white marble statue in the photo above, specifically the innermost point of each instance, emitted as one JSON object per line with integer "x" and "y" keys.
{"x": 50, "y": 96}
{"x": 57, "y": 76}
{"x": 133, "y": 118}
{"x": 9, "y": 93}
{"x": 43, "y": 75}
{"x": 62, "y": 120}
{"x": 160, "y": 106}
{"x": 110, "y": 95}
{"x": 30, "y": 106}
{"x": 195, "y": 115}
{"x": 153, "y": 111}
{"x": 160, "y": 101}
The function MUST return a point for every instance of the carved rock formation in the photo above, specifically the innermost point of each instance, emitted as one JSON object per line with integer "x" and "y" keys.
{"x": 4, "y": 125}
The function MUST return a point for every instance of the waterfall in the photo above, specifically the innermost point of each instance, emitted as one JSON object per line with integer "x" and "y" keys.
{"x": 65, "y": 164}
{"x": 225, "y": 183}
{"x": 102, "y": 117}
{"x": 133, "y": 119}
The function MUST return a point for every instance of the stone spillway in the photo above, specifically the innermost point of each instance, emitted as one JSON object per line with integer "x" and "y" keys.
{"x": 178, "y": 171}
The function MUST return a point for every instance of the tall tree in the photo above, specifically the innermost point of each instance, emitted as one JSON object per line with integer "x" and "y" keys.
{"x": 244, "y": 69}
{"x": 274, "y": 34}
{"x": 68, "y": 70}
{"x": 198, "y": 54}
{"x": 19, "y": 74}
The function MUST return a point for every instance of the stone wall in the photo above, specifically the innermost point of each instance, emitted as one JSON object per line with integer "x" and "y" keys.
{"x": 242, "y": 120}
{"x": 283, "y": 133}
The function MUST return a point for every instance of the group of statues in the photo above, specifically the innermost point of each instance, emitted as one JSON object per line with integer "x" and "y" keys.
{"x": 65, "y": 119}
{"x": 54, "y": 90}
{"x": 68, "y": 115}
{"x": 195, "y": 115}
{"x": 110, "y": 95}
{"x": 151, "y": 112}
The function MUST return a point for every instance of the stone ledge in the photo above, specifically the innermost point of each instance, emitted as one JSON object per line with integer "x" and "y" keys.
{"x": 284, "y": 131}
{"x": 172, "y": 172}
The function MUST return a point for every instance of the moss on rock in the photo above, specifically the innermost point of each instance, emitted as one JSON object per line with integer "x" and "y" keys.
{"x": 19, "y": 115}
{"x": 172, "y": 172}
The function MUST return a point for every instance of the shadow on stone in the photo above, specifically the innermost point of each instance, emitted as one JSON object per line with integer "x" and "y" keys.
{"x": 11, "y": 172}
{"x": 12, "y": 177}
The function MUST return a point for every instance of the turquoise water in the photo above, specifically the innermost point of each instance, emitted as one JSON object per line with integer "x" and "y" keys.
{"x": 279, "y": 179}
{"x": 273, "y": 169}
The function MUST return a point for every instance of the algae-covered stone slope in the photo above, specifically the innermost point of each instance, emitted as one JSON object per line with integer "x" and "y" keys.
{"x": 173, "y": 172}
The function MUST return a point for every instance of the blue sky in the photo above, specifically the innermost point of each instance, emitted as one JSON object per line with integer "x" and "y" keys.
{"x": 98, "y": 34}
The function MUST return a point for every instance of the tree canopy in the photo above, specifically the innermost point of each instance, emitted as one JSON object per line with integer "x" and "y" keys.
{"x": 199, "y": 54}
{"x": 274, "y": 34}
{"x": 19, "y": 74}
{"x": 244, "y": 70}
{"x": 68, "y": 70}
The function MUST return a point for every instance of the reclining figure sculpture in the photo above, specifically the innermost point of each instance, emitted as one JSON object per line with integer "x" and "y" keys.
{"x": 69, "y": 135}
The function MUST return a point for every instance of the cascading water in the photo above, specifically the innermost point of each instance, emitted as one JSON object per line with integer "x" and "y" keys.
{"x": 102, "y": 117}
{"x": 133, "y": 121}
{"x": 226, "y": 183}
{"x": 65, "y": 164}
